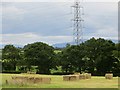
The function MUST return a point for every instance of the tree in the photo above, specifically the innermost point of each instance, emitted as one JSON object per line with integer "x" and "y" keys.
{"x": 65, "y": 60}
{"x": 72, "y": 58}
{"x": 41, "y": 55}
{"x": 99, "y": 52}
{"x": 10, "y": 57}
{"x": 116, "y": 54}
{"x": 90, "y": 48}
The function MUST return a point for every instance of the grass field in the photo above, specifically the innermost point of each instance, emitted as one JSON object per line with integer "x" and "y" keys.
{"x": 57, "y": 82}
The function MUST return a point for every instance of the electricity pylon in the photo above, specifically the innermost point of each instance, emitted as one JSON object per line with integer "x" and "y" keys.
{"x": 78, "y": 22}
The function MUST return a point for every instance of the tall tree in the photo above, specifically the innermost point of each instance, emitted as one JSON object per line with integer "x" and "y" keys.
{"x": 41, "y": 55}
{"x": 65, "y": 60}
{"x": 10, "y": 57}
{"x": 99, "y": 51}
{"x": 72, "y": 58}
{"x": 90, "y": 48}
{"x": 116, "y": 54}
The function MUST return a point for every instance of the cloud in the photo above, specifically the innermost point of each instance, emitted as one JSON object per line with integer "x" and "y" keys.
{"x": 101, "y": 20}
{"x": 32, "y": 22}
{"x": 12, "y": 9}
{"x": 107, "y": 33}
{"x": 12, "y": 13}
{"x": 36, "y": 17}
{"x": 25, "y": 38}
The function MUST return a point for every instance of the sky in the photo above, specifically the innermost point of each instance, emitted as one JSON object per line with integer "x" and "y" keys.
{"x": 50, "y": 22}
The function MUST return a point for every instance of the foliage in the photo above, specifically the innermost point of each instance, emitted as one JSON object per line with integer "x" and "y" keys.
{"x": 71, "y": 58}
{"x": 10, "y": 57}
{"x": 99, "y": 52}
{"x": 41, "y": 55}
{"x": 92, "y": 56}
{"x": 116, "y": 54}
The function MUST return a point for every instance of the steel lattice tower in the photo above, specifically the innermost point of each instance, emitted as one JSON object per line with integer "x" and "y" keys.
{"x": 78, "y": 22}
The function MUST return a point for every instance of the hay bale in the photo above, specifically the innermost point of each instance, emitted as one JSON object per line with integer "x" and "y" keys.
{"x": 74, "y": 78}
{"x": 22, "y": 79}
{"x": 46, "y": 80}
{"x": 16, "y": 82}
{"x": 66, "y": 78}
{"x": 19, "y": 77}
{"x": 42, "y": 80}
{"x": 70, "y": 77}
{"x": 82, "y": 76}
{"x": 37, "y": 80}
{"x": 30, "y": 80}
{"x": 85, "y": 76}
{"x": 77, "y": 77}
{"x": 33, "y": 80}
{"x": 19, "y": 80}
{"x": 88, "y": 75}
{"x": 109, "y": 76}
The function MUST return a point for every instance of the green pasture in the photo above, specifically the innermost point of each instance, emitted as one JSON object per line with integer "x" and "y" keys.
{"x": 57, "y": 82}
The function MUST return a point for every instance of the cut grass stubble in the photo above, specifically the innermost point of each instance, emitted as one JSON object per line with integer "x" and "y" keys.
{"x": 57, "y": 82}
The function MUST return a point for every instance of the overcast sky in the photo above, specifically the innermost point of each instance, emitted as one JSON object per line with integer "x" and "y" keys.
{"x": 50, "y": 22}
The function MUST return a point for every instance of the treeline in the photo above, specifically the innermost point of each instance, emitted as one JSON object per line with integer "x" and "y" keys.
{"x": 96, "y": 56}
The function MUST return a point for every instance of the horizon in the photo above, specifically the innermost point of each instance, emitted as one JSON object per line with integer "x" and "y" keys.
{"x": 56, "y": 45}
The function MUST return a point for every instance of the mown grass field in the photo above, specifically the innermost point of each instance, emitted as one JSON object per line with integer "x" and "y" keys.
{"x": 57, "y": 82}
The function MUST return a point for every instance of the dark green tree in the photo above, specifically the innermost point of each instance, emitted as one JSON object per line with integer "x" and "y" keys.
{"x": 90, "y": 48}
{"x": 65, "y": 60}
{"x": 99, "y": 51}
{"x": 10, "y": 57}
{"x": 116, "y": 54}
{"x": 72, "y": 58}
{"x": 41, "y": 55}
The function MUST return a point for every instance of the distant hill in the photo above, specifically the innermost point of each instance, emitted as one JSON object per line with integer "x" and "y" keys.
{"x": 62, "y": 45}
{"x": 58, "y": 45}
{"x": 2, "y": 45}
